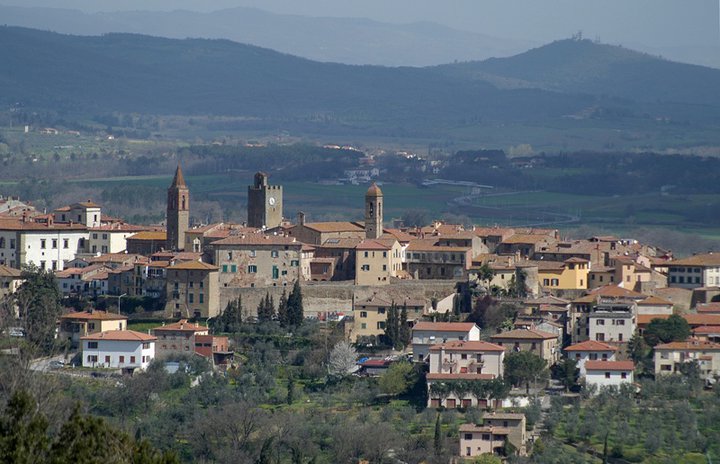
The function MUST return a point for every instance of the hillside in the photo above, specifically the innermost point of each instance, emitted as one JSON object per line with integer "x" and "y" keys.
{"x": 341, "y": 40}
{"x": 582, "y": 66}
{"x": 134, "y": 73}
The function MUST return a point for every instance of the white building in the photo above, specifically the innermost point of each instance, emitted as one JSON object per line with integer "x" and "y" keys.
{"x": 608, "y": 373}
{"x": 118, "y": 349}
{"x": 612, "y": 323}
{"x": 110, "y": 238}
{"x": 47, "y": 245}
{"x": 590, "y": 350}
{"x": 86, "y": 213}
{"x": 427, "y": 334}
{"x": 695, "y": 271}
{"x": 670, "y": 356}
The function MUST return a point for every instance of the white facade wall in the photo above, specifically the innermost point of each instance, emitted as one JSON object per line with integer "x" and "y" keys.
{"x": 108, "y": 354}
{"x": 423, "y": 339}
{"x": 464, "y": 361}
{"x": 108, "y": 241}
{"x": 603, "y": 378}
{"x": 581, "y": 357}
{"x": 60, "y": 246}
{"x": 611, "y": 329}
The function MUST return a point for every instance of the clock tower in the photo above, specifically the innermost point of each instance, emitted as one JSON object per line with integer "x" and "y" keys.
{"x": 265, "y": 203}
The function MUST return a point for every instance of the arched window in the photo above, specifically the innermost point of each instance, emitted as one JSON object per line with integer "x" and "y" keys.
{"x": 183, "y": 202}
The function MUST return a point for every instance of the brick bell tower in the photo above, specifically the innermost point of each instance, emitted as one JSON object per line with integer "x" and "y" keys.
{"x": 373, "y": 212}
{"x": 178, "y": 212}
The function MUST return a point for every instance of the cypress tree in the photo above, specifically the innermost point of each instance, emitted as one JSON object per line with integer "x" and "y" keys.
{"x": 283, "y": 315}
{"x": 296, "y": 312}
{"x": 391, "y": 325}
{"x": 404, "y": 335}
{"x": 438, "y": 436}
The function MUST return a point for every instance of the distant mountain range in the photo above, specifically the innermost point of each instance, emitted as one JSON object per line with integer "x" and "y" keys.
{"x": 341, "y": 40}
{"x": 134, "y": 73}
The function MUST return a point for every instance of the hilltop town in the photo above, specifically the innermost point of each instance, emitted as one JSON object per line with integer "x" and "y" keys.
{"x": 483, "y": 318}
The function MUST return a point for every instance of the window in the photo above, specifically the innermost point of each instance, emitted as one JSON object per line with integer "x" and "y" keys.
{"x": 105, "y": 236}
{"x": 42, "y": 265}
{"x": 384, "y": 267}
{"x": 107, "y": 359}
{"x": 463, "y": 356}
{"x": 294, "y": 263}
{"x": 621, "y": 322}
{"x": 365, "y": 254}
{"x": 12, "y": 243}
{"x": 122, "y": 359}
{"x": 623, "y": 375}
{"x": 365, "y": 267}
{"x": 601, "y": 322}
{"x": 233, "y": 268}
{"x": 252, "y": 269}
{"x": 381, "y": 325}
{"x": 486, "y": 436}
{"x": 92, "y": 345}
{"x": 201, "y": 298}
{"x": 274, "y": 254}
{"x": 224, "y": 268}
{"x": 363, "y": 326}
{"x": 363, "y": 313}
{"x": 381, "y": 310}
{"x": 42, "y": 243}
{"x": 607, "y": 375}
{"x": 275, "y": 272}
{"x": 92, "y": 358}
{"x": 191, "y": 298}
{"x": 384, "y": 254}
{"x": 95, "y": 236}
{"x": 132, "y": 359}
{"x": 468, "y": 436}
{"x": 253, "y": 253}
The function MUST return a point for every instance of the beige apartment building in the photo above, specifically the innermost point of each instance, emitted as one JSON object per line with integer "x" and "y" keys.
{"x": 177, "y": 338}
{"x": 370, "y": 316}
{"x": 490, "y": 437}
{"x": 79, "y": 324}
{"x": 376, "y": 261}
{"x": 192, "y": 290}
{"x": 670, "y": 356}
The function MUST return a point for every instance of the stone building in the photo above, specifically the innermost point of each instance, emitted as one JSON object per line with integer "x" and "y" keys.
{"x": 376, "y": 261}
{"x": 192, "y": 290}
{"x": 265, "y": 203}
{"x": 178, "y": 212}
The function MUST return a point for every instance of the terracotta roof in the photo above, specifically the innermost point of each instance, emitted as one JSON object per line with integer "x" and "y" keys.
{"x": 609, "y": 366}
{"x": 335, "y": 226}
{"x": 707, "y": 329}
{"x": 591, "y": 345}
{"x": 445, "y": 326}
{"x": 181, "y": 326}
{"x": 7, "y": 271}
{"x": 689, "y": 345}
{"x": 525, "y": 238}
{"x": 149, "y": 235}
{"x": 504, "y": 415}
{"x": 431, "y": 245}
{"x": 702, "y": 319}
{"x": 459, "y": 376}
{"x": 119, "y": 228}
{"x": 653, "y": 301}
{"x": 398, "y": 234}
{"x": 344, "y": 243}
{"x": 87, "y": 204}
{"x": 116, "y": 258}
{"x": 94, "y": 316}
{"x": 644, "y": 319}
{"x": 547, "y": 300}
{"x": 486, "y": 429}
{"x": 120, "y": 336}
{"x": 193, "y": 265}
{"x": 29, "y": 225}
{"x": 530, "y": 334}
{"x": 708, "y": 259}
{"x": 613, "y": 291}
{"x": 576, "y": 260}
{"x": 376, "y": 244}
{"x": 467, "y": 346}
{"x": 374, "y": 191}
{"x": 257, "y": 240}
{"x": 713, "y": 307}
{"x": 585, "y": 299}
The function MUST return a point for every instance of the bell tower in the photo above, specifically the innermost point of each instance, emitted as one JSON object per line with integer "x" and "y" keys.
{"x": 373, "y": 212}
{"x": 178, "y": 212}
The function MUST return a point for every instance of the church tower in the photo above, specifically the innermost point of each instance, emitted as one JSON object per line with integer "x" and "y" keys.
{"x": 373, "y": 212}
{"x": 265, "y": 203}
{"x": 178, "y": 212}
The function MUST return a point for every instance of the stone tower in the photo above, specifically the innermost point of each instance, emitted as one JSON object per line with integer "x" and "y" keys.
{"x": 373, "y": 212}
{"x": 265, "y": 203}
{"x": 178, "y": 212}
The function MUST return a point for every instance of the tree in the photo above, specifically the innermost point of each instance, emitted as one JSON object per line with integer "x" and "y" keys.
{"x": 296, "y": 312}
{"x": 523, "y": 367}
{"x": 404, "y": 333}
{"x": 673, "y": 329}
{"x": 567, "y": 372}
{"x": 398, "y": 378}
{"x": 392, "y": 326}
{"x": 438, "y": 439}
{"x": 266, "y": 309}
{"x": 38, "y": 301}
{"x": 487, "y": 459}
{"x": 283, "y": 314}
{"x": 231, "y": 319}
{"x": 291, "y": 390}
{"x": 342, "y": 359}
{"x": 485, "y": 273}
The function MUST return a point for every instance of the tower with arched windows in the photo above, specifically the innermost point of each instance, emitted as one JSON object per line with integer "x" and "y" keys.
{"x": 373, "y": 212}
{"x": 178, "y": 212}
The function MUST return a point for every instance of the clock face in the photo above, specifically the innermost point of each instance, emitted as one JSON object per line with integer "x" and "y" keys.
{"x": 271, "y": 201}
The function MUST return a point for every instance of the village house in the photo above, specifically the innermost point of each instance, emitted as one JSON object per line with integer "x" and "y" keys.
{"x": 257, "y": 260}
{"x": 118, "y": 349}
{"x": 214, "y": 348}
{"x": 370, "y": 315}
{"x": 377, "y": 261}
{"x": 110, "y": 238}
{"x": 10, "y": 280}
{"x": 608, "y": 373}
{"x": 544, "y": 344}
{"x": 669, "y": 357}
{"x": 701, "y": 270}
{"x": 316, "y": 233}
{"x": 198, "y": 238}
{"x": 526, "y": 244}
{"x": 47, "y": 245}
{"x": 462, "y": 360}
{"x": 86, "y": 213}
{"x": 192, "y": 290}
{"x": 334, "y": 259}
{"x": 177, "y": 338}
{"x": 75, "y": 325}
{"x": 427, "y": 334}
{"x": 572, "y": 274}
{"x": 428, "y": 259}
{"x": 498, "y": 430}
{"x": 147, "y": 242}
{"x": 590, "y": 350}
{"x": 612, "y": 322}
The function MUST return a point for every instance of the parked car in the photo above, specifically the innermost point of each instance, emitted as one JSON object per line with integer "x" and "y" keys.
{"x": 55, "y": 364}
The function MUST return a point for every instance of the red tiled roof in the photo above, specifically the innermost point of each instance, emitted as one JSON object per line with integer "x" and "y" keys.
{"x": 707, "y": 329}
{"x": 445, "y": 326}
{"x": 707, "y": 259}
{"x": 654, "y": 300}
{"x": 257, "y": 239}
{"x": 369, "y": 244}
{"x": 591, "y": 345}
{"x": 609, "y": 366}
{"x": 94, "y": 316}
{"x": 467, "y": 346}
{"x": 149, "y": 235}
{"x": 181, "y": 326}
{"x": 689, "y": 345}
{"x": 193, "y": 265}
{"x": 459, "y": 376}
{"x": 713, "y": 307}
{"x": 617, "y": 292}
{"x": 120, "y": 336}
{"x": 530, "y": 334}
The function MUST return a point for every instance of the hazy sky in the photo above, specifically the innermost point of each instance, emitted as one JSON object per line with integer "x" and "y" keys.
{"x": 649, "y": 22}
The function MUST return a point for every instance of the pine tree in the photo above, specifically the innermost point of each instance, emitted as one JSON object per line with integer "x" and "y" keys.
{"x": 283, "y": 315}
{"x": 404, "y": 335}
{"x": 391, "y": 325}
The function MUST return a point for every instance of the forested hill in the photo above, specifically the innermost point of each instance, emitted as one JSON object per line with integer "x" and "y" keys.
{"x": 583, "y": 66}
{"x": 135, "y": 73}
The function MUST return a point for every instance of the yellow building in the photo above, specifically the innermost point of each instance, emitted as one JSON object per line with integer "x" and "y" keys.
{"x": 370, "y": 316}
{"x": 572, "y": 274}
{"x": 376, "y": 261}
{"x": 80, "y": 324}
